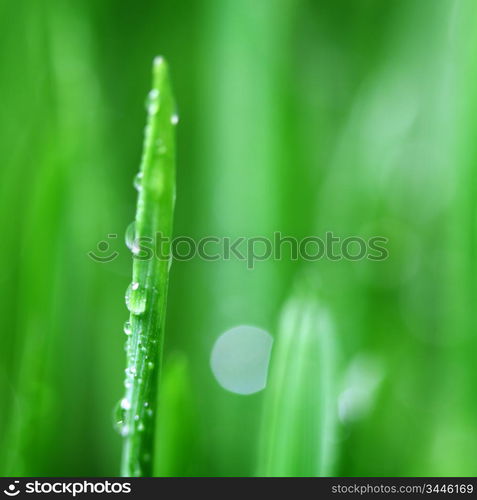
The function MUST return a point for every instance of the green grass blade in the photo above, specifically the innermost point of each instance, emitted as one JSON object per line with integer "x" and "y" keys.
{"x": 300, "y": 407}
{"x": 147, "y": 295}
{"x": 177, "y": 443}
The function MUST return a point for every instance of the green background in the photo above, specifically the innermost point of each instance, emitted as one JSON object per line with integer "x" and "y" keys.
{"x": 299, "y": 116}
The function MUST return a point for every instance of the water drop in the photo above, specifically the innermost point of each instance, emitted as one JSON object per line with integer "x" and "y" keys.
{"x": 150, "y": 365}
{"x": 130, "y": 234}
{"x": 138, "y": 181}
{"x": 140, "y": 427}
{"x": 130, "y": 373}
{"x": 127, "y": 330}
{"x": 125, "y": 404}
{"x": 158, "y": 60}
{"x": 119, "y": 416}
{"x": 118, "y": 426}
{"x": 152, "y": 102}
{"x": 127, "y": 346}
{"x": 175, "y": 119}
{"x": 124, "y": 430}
{"x": 136, "y": 298}
{"x": 131, "y": 241}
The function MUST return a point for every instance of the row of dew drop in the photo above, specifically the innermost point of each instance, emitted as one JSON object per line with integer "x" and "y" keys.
{"x": 136, "y": 302}
{"x": 153, "y": 104}
{"x": 133, "y": 375}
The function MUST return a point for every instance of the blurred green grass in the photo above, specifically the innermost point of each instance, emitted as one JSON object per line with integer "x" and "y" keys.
{"x": 298, "y": 116}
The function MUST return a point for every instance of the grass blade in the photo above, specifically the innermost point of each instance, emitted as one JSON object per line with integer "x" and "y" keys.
{"x": 147, "y": 295}
{"x": 299, "y": 412}
{"x": 177, "y": 437}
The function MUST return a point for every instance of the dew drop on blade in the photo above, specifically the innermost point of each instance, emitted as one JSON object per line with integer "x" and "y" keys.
{"x": 130, "y": 237}
{"x": 127, "y": 328}
{"x": 158, "y": 60}
{"x": 152, "y": 102}
{"x": 125, "y": 404}
{"x": 136, "y": 298}
{"x": 138, "y": 181}
{"x": 119, "y": 416}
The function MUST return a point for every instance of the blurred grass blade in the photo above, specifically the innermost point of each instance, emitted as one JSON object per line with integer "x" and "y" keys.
{"x": 299, "y": 413}
{"x": 176, "y": 453}
{"x": 147, "y": 295}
